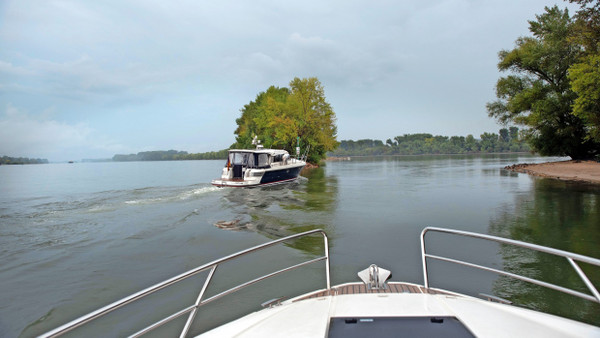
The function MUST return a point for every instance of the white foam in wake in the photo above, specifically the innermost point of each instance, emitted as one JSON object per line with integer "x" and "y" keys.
{"x": 185, "y": 195}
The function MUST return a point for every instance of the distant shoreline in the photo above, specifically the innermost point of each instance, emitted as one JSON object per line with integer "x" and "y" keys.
{"x": 581, "y": 171}
{"x": 349, "y": 158}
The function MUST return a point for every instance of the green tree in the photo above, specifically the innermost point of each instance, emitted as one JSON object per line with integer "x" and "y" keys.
{"x": 489, "y": 142}
{"x": 21, "y": 160}
{"x": 280, "y": 115}
{"x": 586, "y": 30}
{"x": 504, "y": 135}
{"x": 417, "y": 144}
{"x": 585, "y": 74}
{"x": 258, "y": 116}
{"x": 538, "y": 93}
{"x": 314, "y": 117}
{"x": 585, "y": 79}
{"x": 513, "y": 134}
{"x": 471, "y": 144}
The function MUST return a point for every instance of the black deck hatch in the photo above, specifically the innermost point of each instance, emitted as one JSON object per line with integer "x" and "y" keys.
{"x": 397, "y": 327}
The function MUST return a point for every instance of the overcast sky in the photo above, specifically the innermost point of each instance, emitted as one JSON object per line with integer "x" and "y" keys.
{"x": 90, "y": 79}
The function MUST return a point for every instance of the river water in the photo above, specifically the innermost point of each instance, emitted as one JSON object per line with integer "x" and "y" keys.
{"x": 75, "y": 237}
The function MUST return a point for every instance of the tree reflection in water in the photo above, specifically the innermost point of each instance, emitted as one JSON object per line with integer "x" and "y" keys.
{"x": 287, "y": 209}
{"x": 557, "y": 214}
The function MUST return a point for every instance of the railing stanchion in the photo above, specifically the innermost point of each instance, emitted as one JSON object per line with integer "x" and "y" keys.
{"x": 586, "y": 280}
{"x": 424, "y": 260}
{"x": 192, "y": 315}
{"x": 571, "y": 257}
{"x": 327, "y": 271}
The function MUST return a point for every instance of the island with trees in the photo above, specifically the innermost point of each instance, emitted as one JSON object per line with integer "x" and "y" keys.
{"x": 170, "y": 155}
{"x": 279, "y": 116}
{"x": 508, "y": 140}
{"x": 22, "y": 160}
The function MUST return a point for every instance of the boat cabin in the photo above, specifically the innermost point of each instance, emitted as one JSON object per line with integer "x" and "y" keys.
{"x": 241, "y": 160}
{"x": 248, "y": 168}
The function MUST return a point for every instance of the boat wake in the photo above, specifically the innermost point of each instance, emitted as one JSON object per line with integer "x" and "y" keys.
{"x": 166, "y": 195}
{"x": 70, "y": 221}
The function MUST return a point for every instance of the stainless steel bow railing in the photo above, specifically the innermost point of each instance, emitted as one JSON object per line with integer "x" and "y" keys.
{"x": 571, "y": 258}
{"x": 192, "y": 309}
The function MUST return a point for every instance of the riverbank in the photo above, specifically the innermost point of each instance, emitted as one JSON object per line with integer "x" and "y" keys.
{"x": 350, "y": 157}
{"x": 586, "y": 171}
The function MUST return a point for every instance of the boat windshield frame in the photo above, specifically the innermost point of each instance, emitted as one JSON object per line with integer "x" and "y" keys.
{"x": 254, "y": 159}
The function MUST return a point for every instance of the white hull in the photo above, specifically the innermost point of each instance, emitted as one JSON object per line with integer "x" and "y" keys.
{"x": 251, "y": 177}
{"x": 247, "y": 183}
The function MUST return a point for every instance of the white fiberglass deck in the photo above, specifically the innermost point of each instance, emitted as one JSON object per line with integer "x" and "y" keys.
{"x": 310, "y": 315}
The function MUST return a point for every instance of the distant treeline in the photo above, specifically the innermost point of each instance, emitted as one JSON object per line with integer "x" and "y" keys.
{"x": 170, "y": 155}
{"x": 508, "y": 140}
{"x": 22, "y": 160}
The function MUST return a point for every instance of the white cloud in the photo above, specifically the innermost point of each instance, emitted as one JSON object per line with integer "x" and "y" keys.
{"x": 29, "y": 136}
{"x": 10, "y": 69}
{"x": 84, "y": 79}
{"x": 341, "y": 63}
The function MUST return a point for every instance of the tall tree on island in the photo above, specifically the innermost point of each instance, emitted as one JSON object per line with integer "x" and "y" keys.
{"x": 279, "y": 116}
{"x": 538, "y": 93}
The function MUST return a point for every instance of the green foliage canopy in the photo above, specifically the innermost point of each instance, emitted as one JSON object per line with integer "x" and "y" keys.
{"x": 585, "y": 74}
{"x": 585, "y": 79}
{"x": 170, "y": 155}
{"x": 22, "y": 160}
{"x": 538, "y": 93}
{"x": 279, "y": 115}
{"x": 420, "y": 144}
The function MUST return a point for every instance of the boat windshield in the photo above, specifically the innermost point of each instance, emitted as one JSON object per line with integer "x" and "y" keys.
{"x": 260, "y": 160}
{"x": 238, "y": 158}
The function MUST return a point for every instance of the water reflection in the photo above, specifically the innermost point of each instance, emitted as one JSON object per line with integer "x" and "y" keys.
{"x": 557, "y": 214}
{"x": 287, "y": 209}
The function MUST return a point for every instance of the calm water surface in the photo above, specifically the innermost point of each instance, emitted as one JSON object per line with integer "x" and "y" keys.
{"x": 74, "y": 237}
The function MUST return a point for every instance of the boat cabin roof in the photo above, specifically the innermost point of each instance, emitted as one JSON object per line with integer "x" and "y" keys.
{"x": 272, "y": 152}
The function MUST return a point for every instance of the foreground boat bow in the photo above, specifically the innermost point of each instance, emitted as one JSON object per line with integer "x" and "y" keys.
{"x": 376, "y": 307}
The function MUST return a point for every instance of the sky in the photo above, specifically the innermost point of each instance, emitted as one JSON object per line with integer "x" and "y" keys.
{"x": 91, "y": 79}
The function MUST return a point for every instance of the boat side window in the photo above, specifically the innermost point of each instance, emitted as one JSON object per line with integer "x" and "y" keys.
{"x": 251, "y": 161}
{"x": 240, "y": 158}
{"x": 262, "y": 160}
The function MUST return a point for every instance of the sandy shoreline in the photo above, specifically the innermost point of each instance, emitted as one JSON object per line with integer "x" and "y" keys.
{"x": 586, "y": 171}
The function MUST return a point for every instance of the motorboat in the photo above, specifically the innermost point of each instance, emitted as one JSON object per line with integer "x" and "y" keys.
{"x": 259, "y": 167}
{"x": 376, "y": 306}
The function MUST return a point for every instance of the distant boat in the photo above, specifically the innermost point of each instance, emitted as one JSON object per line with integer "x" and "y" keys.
{"x": 259, "y": 167}
{"x": 71, "y": 162}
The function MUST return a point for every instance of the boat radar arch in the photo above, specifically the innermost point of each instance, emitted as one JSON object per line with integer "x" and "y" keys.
{"x": 256, "y": 142}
